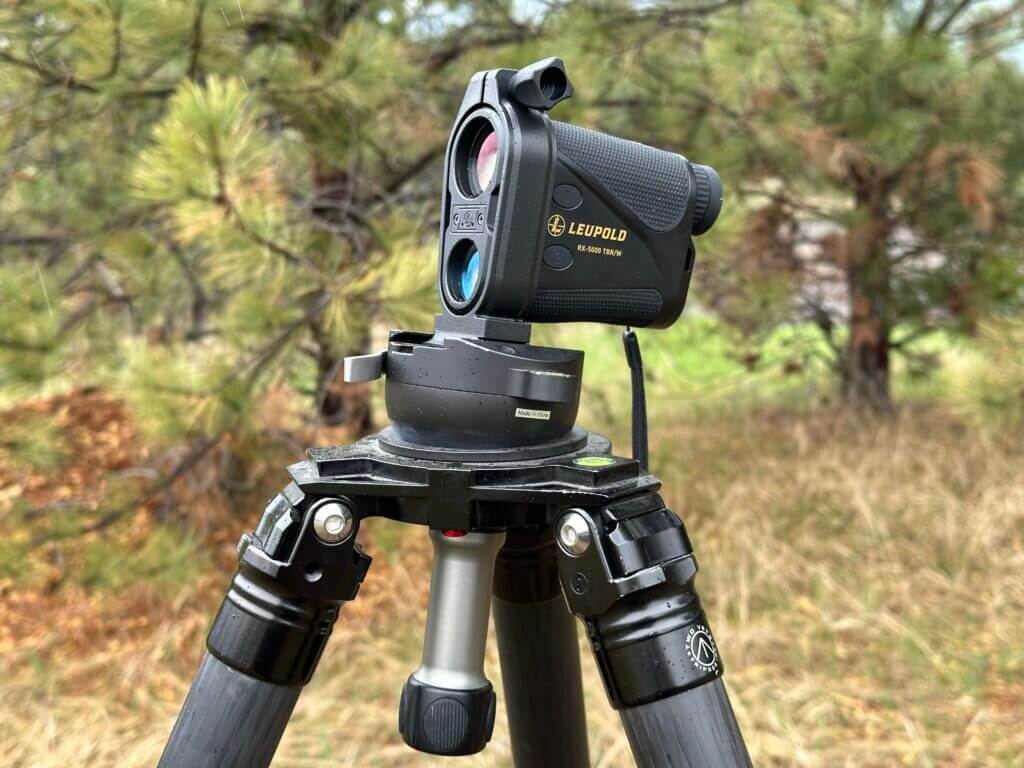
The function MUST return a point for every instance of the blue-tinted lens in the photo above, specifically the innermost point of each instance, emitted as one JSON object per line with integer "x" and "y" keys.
{"x": 469, "y": 275}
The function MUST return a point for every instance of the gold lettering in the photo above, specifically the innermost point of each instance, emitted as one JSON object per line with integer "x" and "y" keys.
{"x": 580, "y": 229}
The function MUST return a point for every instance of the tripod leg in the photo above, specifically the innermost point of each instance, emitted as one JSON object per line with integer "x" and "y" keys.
{"x": 698, "y": 723}
{"x": 229, "y": 719}
{"x": 294, "y": 571}
{"x": 539, "y": 651}
{"x": 628, "y": 571}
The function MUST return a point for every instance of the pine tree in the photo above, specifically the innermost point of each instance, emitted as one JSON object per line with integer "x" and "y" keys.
{"x": 872, "y": 153}
{"x": 202, "y": 198}
{"x": 898, "y": 122}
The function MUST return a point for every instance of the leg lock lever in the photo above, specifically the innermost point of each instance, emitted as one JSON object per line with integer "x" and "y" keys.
{"x": 628, "y": 570}
{"x": 294, "y": 570}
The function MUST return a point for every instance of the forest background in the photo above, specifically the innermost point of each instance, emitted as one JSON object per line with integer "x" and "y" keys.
{"x": 206, "y": 204}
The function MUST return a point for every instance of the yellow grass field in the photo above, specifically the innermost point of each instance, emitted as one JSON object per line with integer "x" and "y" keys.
{"x": 866, "y": 589}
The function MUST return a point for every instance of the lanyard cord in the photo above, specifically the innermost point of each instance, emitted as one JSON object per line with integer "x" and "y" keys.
{"x": 636, "y": 368}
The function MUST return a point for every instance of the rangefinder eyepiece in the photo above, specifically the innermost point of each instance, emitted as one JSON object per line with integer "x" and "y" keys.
{"x": 545, "y": 221}
{"x": 708, "y": 198}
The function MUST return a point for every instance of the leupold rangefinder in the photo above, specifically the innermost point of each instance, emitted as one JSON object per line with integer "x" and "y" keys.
{"x": 548, "y": 222}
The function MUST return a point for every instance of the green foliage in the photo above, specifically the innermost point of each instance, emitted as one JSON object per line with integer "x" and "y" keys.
{"x": 841, "y": 97}
{"x": 989, "y": 380}
{"x": 29, "y": 326}
{"x": 32, "y": 442}
{"x": 207, "y": 144}
{"x": 205, "y": 198}
{"x": 166, "y": 557}
{"x": 179, "y": 392}
{"x": 867, "y": 147}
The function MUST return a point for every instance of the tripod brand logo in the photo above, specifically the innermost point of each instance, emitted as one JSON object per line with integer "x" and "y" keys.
{"x": 700, "y": 647}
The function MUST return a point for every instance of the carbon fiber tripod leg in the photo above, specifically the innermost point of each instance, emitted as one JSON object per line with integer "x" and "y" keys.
{"x": 627, "y": 569}
{"x": 293, "y": 574}
{"x": 540, "y": 658}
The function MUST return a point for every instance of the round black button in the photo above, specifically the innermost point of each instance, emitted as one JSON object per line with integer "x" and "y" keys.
{"x": 558, "y": 257}
{"x": 567, "y": 196}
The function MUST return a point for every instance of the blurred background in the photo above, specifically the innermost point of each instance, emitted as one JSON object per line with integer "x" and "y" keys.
{"x": 206, "y": 204}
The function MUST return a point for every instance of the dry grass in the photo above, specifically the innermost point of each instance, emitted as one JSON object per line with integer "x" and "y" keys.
{"x": 866, "y": 589}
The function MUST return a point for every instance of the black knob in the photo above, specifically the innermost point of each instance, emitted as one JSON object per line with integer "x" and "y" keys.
{"x": 444, "y": 721}
{"x": 707, "y": 198}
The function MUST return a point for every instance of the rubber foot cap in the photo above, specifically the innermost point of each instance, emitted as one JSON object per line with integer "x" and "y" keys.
{"x": 443, "y": 721}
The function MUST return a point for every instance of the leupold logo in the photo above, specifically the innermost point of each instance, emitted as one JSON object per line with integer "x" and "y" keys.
{"x": 596, "y": 230}
{"x": 556, "y": 225}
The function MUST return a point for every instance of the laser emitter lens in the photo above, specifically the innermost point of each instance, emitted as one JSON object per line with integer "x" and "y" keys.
{"x": 463, "y": 273}
{"x": 470, "y": 275}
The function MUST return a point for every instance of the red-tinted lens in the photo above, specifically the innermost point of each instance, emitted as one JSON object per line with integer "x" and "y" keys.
{"x": 485, "y": 160}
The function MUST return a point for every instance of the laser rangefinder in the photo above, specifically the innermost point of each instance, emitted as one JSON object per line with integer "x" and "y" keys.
{"x": 547, "y": 222}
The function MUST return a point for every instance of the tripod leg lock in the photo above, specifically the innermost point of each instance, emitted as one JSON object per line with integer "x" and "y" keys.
{"x": 627, "y": 569}
{"x": 293, "y": 572}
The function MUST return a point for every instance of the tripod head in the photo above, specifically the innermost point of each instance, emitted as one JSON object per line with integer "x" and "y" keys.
{"x": 486, "y": 395}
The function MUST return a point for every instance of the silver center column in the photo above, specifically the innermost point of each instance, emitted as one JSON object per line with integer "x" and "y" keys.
{"x": 448, "y": 704}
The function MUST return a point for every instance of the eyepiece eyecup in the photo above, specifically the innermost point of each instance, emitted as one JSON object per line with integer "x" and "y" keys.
{"x": 541, "y": 85}
{"x": 708, "y": 198}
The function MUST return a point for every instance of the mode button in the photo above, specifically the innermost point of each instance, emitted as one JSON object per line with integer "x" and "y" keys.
{"x": 557, "y": 257}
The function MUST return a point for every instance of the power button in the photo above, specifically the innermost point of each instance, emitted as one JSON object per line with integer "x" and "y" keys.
{"x": 567, "y": 196}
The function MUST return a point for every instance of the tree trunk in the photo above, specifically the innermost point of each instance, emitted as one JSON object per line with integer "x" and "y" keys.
{"x": 868, "y": 280}
{"x": 337, "y": 403}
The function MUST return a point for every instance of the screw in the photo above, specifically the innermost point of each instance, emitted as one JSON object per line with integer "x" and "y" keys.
{"x": 573, "y": 534}
{"x": 333, "y": 521}
{"x": 243, "y": 543}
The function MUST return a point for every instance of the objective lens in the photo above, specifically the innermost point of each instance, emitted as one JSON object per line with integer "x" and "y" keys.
{"x": 485, "y": 159}
{"x": 464, "y": 271}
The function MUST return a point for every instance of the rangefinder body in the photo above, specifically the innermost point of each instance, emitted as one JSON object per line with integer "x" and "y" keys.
{"x": 544, "y": 221}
